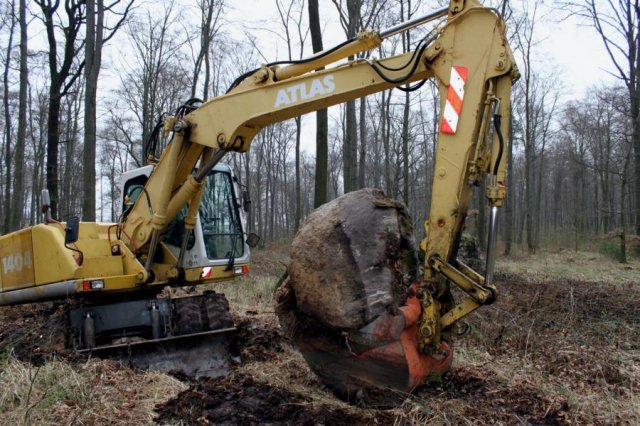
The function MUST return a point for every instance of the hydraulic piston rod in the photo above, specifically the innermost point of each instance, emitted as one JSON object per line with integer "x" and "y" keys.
{"x": 404, "y": 26}
{"x": 491, "y": 247}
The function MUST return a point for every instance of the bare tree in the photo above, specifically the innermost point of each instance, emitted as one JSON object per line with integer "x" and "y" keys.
{"x": 155, "y": 82}
{"x": 534, "y": 108}
{"x": 64, "y": 70}
{"x": 350, "y": 22}
{"x": 322, "y": 122}
{"x": 288, "y": 15}
{"x": 616, "y": 21}
{"x": 211, "y": 12}
{"x": 7, "y": 123}
{"x": 94, "y": 40}
{"x": 18, "y": 190}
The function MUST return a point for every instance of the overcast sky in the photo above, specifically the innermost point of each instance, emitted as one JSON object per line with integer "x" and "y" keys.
{"x": 568, "y": 44}
{"x": 568, "y": 49}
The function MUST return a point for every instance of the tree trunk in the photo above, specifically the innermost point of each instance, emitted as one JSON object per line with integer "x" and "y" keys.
{"x": 623, "y": 224}
{"x": 61, "y": 80}
{"x": 53, "y": 128}
{"x": 350, "y": 144}
{"x": 322, "y": 121}
{"x": 349, "y": 149}
{"x": 636, "y": 150}
{"x": 405, "y": 150}
{"x": 634, "y": 93}
{"x": 7, "y": 117}
{"x": 18, "y": 190}
{"x": 386, "y": 135}
{"x": 298, "y": 214}
{"x": 405, "y": 115}
{"x": 93, "y": 60}
{"x": 362, "y": 157}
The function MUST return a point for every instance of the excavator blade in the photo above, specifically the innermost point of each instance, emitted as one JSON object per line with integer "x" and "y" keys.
{"x": 205, "y": 354}
{"x": 191, "y": 335}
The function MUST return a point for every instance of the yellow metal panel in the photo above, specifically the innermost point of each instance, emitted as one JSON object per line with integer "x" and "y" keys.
{"x": 130, "y": 264}
{"x": 16, "y": 260}
{"x": 53, "y": 262}
{"x": 103, "y": 266}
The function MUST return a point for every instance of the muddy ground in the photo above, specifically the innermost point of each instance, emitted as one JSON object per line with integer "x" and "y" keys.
{"x": 550, "y": 351}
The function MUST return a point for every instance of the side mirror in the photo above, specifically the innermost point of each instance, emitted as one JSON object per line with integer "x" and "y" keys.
{"x": 246, "y": 201}
{"x": 46, "y": 206}
{"x": 72, "y": 230}
{"x": 253, "y": 240}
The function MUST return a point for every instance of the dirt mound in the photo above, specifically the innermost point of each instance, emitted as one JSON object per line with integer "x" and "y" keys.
{"x": 240, "y": 399}
{"x": 257, "y": 340}
{"x": 35, "y": 333}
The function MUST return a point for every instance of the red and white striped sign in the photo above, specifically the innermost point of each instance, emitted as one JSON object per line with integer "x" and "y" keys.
{"x": 206, "y": 272}
{"x": 455, "y": 95}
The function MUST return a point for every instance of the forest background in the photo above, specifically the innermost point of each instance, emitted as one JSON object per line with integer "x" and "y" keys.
{"x": 84, "y": 83}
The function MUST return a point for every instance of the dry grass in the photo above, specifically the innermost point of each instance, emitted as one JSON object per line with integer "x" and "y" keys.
{"x": 562, "y": 345}
{"x": 96, "y": 392}
{"x": 563, "y": 264}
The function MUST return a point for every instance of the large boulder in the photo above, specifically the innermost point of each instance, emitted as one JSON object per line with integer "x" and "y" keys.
{"x": 345, "y": 302}
{"x": 352, "y": 260}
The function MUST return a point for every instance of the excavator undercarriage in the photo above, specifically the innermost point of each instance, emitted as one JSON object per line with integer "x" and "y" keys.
{"x": 187, "y": 334}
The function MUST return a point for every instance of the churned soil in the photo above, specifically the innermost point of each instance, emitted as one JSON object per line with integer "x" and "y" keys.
{"x": 241, "y": 399}
{"x": 549, "y": 351}
{"x": 35, "y": 333}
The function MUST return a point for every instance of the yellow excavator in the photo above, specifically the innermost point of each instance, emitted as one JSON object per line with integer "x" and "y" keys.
{"x": 182, "y": 225}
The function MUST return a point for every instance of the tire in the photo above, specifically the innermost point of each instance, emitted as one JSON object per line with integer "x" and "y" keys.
{"x": 217, "y": 309}
{"x": 188, "y": 315}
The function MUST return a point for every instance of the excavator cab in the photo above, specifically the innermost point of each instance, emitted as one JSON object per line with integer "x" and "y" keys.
{"x": 219, "y": 243}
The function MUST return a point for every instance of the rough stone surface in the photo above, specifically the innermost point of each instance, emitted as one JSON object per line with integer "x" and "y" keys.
{"x": 352, "y": 260}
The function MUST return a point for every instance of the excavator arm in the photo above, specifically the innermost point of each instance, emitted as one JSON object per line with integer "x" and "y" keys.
{"x": 470, "y": 58}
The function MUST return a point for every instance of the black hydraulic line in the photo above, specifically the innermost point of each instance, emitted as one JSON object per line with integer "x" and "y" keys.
{"x": 146, "y": 194}
{"x": 406, "y": 76}
{"x": 418, "y": 47}
{"x": 497, "y": 122}
{"x": 412, "y": 88}
{"x": 152, "y": 141}
{"x": 383, "y": 35}
{"x": 188, "y": 106}
{"x": 322, "y": 54}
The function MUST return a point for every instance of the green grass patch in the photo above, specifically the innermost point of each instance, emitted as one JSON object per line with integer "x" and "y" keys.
{"x": 611, "y": 249}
